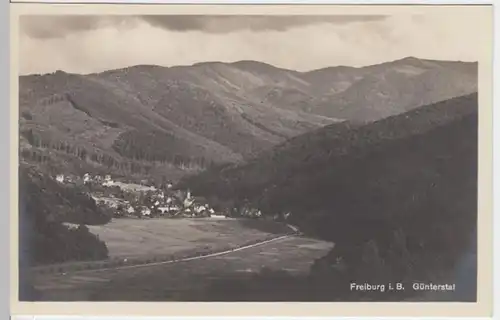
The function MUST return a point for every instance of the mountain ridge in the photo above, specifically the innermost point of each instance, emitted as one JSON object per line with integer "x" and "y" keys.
{"x": 411, "y": 59}
{"x": 213, "y": 113}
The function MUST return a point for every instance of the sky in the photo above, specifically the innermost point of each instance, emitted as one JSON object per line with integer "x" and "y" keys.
{"x": 92, "y": 43}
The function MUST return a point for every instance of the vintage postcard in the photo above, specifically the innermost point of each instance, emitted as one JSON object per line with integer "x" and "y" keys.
{"x": 291, "y": 160}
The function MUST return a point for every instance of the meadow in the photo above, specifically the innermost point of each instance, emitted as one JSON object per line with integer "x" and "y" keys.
{"x": 132, "y": 238}
{"x": 142, "y": 241}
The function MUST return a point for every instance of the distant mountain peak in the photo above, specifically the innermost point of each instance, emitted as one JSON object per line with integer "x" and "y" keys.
{"x": 250, "y": 63}
{"x": 207, "y": 63}
{"x": 332, "y": 68}
{"x": 147, "y": 66}
{"x": 410, "y": 58}
{"x": 254, "y": 65}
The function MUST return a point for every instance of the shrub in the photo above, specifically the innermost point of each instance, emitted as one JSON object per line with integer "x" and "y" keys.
{"x": 26, "y": 115}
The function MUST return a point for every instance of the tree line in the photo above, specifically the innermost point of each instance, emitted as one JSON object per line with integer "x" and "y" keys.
{"x": 131, "y": 149}
{"x": 155, "y": 147}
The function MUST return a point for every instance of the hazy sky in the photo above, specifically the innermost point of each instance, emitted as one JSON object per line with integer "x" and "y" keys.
{"x": 85, "y": 44}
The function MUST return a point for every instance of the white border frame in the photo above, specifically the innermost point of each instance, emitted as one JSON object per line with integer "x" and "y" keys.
{"x": 3, "y": 156}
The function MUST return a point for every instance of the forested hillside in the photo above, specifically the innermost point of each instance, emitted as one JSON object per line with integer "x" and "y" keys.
{"x": 43, "y": 206}
{"x": 398, "y": 197}
{"x": 155, "y": 121}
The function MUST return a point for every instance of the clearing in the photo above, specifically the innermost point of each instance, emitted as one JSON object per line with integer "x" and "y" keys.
{"x": 181, "y": 281}
{"x": 134, "y": 238}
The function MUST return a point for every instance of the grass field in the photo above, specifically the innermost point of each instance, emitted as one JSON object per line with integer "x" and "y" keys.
{"x": 184, "y": 280}
{"x": 144, "y": 241}
{"x": 181, "y": 281}
{"x": 134, "y": 238}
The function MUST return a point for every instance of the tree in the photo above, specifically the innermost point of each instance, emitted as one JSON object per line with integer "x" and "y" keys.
{"x": 29, "y": 136}
{"x": 26, "y": 115}
{"x": 83, "y": 154}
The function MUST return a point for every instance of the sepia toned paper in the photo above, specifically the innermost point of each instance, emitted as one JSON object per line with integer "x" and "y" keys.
{"x": 45, "y": 48}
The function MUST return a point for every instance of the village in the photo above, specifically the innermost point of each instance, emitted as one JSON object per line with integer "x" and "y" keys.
{"x": 132, "y": 200}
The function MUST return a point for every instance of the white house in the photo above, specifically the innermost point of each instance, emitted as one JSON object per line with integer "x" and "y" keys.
{"x": 188, "y": 202}
{"x": 130, "y": 210}
{"x": 174, "y": 208}
{"x": 60, "y": 178}
{"x": 199, "y": 209}
{"x": 86, "y": 178}
{"x": 163, "y": 210}
{"x": 212, "y": 211}
{"x": 217, "y": 216}
{"x": 145, "y": 211}
{"x": 108, "y": 182}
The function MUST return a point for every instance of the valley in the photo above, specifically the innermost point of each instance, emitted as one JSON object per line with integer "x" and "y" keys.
{"x": 188, "y": 183}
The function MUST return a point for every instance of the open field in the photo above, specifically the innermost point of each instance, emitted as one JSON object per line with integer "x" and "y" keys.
{"x": 132, "y": 238}
{"x": 143, "y": 241}
{"x": 180, "y": 281}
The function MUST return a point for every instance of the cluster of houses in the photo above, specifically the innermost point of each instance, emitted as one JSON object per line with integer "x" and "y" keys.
{"x": 146, "y": 201}
{"x": 141, "y": 200}
{"x": 61, "y": 178}
{"x": 160, "y": 203}
{"x": 105, "y": 181}
{"x": 86, "y": 179}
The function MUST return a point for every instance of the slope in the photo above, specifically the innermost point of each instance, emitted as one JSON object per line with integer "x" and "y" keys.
{"x": 44, "y": 205}
{"x": 322, "y": 148}
{"x": 152, "y": 120}
{"x": 67, "y": 112}
{"x": 398, "y": 196}
{"x": 375, "y": 92}
{"x": 215, "y": 100}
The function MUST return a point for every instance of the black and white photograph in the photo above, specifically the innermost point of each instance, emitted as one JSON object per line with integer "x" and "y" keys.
{"x": 249, "y": 157}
